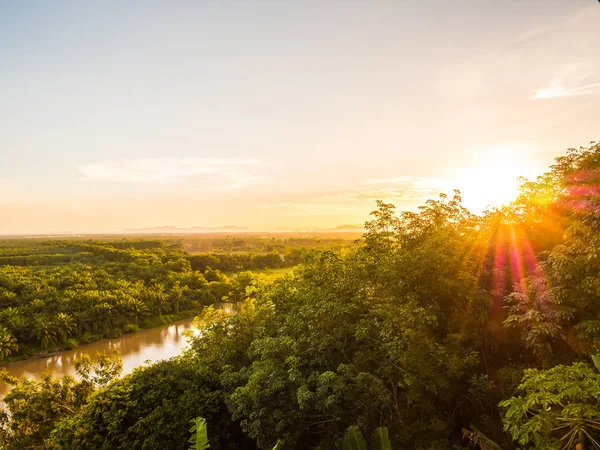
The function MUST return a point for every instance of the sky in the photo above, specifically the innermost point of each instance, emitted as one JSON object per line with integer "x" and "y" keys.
{"x": 282, "y": 115}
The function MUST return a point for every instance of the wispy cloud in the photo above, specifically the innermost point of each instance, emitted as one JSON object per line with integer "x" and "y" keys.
{"x": 569, "y": 82}
{"x": 416, "y": 185}
{"x": 578, "y": 38}
{"x": 558, "y": 91}
{"x": 567, "y": 70}
{"x": 404, "y": 192}
{"x": 225, "y": 173}
{"x": 553, "y": 61}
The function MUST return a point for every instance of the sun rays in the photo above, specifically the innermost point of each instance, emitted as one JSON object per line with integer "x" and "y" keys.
{"x": 510, "y": 251}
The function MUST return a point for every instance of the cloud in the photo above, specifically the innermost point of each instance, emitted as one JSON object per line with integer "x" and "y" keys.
{"x": 558, "y": 91}
{"x": 224, "y": 173}
{"x": 569, "y": 82}
{"x": 568, "y": 68}
{"x": 405, "y": 192}
{"x": 554, "y": 60}
{"x": 415, "y": 186}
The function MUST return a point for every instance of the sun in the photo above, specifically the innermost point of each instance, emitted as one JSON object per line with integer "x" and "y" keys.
{"x": 492, "y": 180}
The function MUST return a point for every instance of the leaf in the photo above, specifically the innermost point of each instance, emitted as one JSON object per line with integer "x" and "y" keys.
{"x": 277, "y": 446}
{"x": 382, "y": 439}
{"x": 478, "y": 438}
{"x": 199, "y": 438}
{"x": 354, "y": 439}
{"x": 596, "y": 361}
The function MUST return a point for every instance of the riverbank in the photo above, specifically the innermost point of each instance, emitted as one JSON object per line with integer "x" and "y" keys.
{"x": 137, "y": 349}
{"x": 145, "y": 323}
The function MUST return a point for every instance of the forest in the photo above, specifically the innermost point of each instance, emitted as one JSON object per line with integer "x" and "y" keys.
{"x": 438, "y": 328}
{"x": 58, "y": 293}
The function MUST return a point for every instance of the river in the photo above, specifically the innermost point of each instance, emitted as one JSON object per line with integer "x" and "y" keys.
{"x": 151, "y": 344}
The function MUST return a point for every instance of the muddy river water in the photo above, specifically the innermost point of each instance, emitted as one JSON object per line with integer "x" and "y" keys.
{"x": 147, "y": 345}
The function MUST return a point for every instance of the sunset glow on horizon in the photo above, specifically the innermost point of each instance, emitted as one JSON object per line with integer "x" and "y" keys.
{"x": 290, "y": 116}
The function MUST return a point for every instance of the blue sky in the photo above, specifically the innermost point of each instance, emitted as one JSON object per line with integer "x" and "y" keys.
{"x": 282, "y": 115}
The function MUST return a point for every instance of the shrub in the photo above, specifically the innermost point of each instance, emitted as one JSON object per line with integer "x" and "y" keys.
{"x": 71, "y": 344}
{"x": 114, "y": 333}
{"x": 89, "y": 337}
{"x": 151, "y": 322}
{"x": 131, "y": 328}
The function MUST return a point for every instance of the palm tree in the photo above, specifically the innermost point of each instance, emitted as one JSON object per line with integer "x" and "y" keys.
{"x": 68, "y": 301}
{"x": 137, "y": 308}
{"x": 153, "y": 296}
{"x": 8, "y": 343}
{"x": 13, "y": 318}
{"x": 44, "y": 330}
{"x": 65, "y": 325}
{"x": 100, "y": 316}
{"x": 121, "y": 308}
{"x": 37, "y": 305}
{"x": 177, "y": 293}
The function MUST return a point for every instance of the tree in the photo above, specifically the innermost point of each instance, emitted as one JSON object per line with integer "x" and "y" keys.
{"x": 151, "y": 408}
{"x": 44, "y": 330}
{"x": 177, "y": 292}
{"x": 333, "y": 347}
{"x": 239, "y": 283}
{"x": 65, "y": 325}
{"x": 136, "y": 309}
{"x": 34, "y": 408}
{"x": 8, "y": 343}
{"x": 14, "y": 320}
{"x": 558, "y": 301}
{"x": 556, "y": 408}
{"x": 157, "y": 298}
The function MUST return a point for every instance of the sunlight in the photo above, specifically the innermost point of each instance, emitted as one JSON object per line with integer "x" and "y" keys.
{"x": 492, "y": 181}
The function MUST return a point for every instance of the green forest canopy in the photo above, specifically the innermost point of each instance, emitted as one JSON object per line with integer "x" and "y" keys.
{"x": 56, "y": 293}
{"x": 450, "y": 329}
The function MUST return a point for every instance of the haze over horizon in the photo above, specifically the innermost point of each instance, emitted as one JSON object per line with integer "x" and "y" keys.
{"x": 191, "y": 230}
{"x": 282, "y": 116}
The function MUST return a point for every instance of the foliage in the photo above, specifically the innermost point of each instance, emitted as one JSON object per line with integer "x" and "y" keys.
{"x": 341, "y": 342}
{"x": 476, "y": 437}
{"x": 199, "y": 438}
{"x": 382, "y": 439}
{"x": 417, "y": 330}
{"x": 354, "y": 439}
{"x": 55, "y": 293}
{"x": 8, "y": 343}
{"x": 33, "y": 408}
{"x": 151, "y": 408}
{"x": 557, "y": 408}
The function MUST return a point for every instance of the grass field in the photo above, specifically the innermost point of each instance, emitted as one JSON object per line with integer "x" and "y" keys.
{"x": 271, "y": 274}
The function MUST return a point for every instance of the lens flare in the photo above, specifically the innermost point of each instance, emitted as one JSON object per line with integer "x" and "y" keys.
{"x": 493, "y": 180}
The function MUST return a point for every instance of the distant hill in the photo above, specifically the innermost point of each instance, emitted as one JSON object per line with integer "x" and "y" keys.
{"x": 349, "y": 228}
{"x": 340, "y": 229}
{"x": 195, "y": 229}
